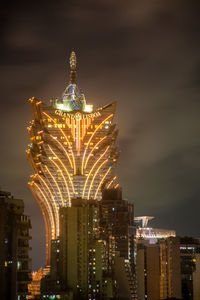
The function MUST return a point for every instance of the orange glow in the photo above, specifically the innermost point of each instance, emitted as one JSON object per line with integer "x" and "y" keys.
{"x": 66, "y": 140}
{"x": 102, "y": 180}
{"x": 92, "y": 137}
{"x": 55, "y": 164}
{"x": 63, "y": 149}
{"x": 47, "y": 203}
{"x": 95, "y": 176}
{"x": 59, "y": 191}
{"x": 53, "y": 200}
{"x": 93, "y": 168}
{"x": 111, "y": 182}
{"x": 93, "y": 150}
{"x": 64, "y": 168}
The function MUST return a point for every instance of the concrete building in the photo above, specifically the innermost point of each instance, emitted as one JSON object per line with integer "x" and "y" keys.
{"x": 117, "y": 219}
{"x": 158, "y": 269}
{"x": 190, "y": 267}
{"x": 79, "y": 268}
{"x": 14, "y": 248}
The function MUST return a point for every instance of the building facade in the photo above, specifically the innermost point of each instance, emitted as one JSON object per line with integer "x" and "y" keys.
{"x": 117, "y": 220}
{"x": 79, "y": 258}
{"x": 190, "y": 267}
{"x": 72, "y": 151}
{"x": 14, "y": 248}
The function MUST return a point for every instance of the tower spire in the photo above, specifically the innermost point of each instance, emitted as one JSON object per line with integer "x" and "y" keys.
{"x": 72, "y": 62}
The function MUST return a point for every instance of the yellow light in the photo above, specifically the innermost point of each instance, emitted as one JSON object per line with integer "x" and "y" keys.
{"x": 64, "y": 168}
{"x": 55, "y": 184}
{"x": 105, "y": 161}
{"x": 54, "y": 202}
{"x": 88, "y": 108}
{"x": 95, "y": 146}
{"x": 92, "y": 169}
{"x": 116, "y": 185}
{"x": 63, "y": 149}
{"x": 111, "y": 182}
{"x": 66, "y": 140}
{"x": 102, "y": 180}
{"x": 47, "y": 203}
{"x": 92, "y": 137}
{"x": 62, "y": 177}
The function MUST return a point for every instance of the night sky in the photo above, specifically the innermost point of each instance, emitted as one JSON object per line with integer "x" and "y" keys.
{"x": 145, "y": 55}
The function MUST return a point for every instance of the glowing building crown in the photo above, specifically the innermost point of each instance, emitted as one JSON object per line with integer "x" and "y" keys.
{"x": 72, "y": 99}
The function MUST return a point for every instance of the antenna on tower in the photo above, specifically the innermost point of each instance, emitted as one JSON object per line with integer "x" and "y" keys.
{"x": 72, "y": 62}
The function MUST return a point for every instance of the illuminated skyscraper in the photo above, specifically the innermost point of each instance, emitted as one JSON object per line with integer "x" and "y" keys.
{"x": 72, "y": 152}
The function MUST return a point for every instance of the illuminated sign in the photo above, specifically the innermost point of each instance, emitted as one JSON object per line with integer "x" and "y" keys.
{"x": 78, "y": 115}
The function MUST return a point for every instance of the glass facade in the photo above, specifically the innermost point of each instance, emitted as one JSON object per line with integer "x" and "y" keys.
{"x": 72, "y": 151}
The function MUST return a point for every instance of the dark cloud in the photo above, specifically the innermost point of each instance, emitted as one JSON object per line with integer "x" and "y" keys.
{"x": 145, "y": 55}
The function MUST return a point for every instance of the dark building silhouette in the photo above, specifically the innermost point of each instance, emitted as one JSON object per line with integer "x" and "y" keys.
{"x": 117, "y": 219}
{"x": 14, "y": 248}
{"x": 190, "y": 268}
{"x": 158, "y": 269}
{"x": 117, "y": 216}
{"x": 79, "y": 258}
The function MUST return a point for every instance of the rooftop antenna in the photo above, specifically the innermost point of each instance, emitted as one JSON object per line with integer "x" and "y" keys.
{"x": 72, "y": 62}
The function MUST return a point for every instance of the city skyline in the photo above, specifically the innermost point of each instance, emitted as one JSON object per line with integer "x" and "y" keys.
{"x": 146, "y": 58}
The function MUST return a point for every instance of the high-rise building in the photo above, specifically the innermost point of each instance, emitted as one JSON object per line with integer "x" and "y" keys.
{"x": 117, "y": 220}
{"x": 14, "y": 248}
{"x": 72, "y": 152}
{"x": 158, "y": 269}
{"x": 79, "y": 263}
{"x": 190, "y": 267}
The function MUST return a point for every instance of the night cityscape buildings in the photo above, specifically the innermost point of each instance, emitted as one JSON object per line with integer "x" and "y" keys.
{"x": 15, "y": 268}
{"x": 95, "y": 248}
{"x": 145, "y": 56}
{"x": 72, "y": 151}
{"x": 88, "y": 224}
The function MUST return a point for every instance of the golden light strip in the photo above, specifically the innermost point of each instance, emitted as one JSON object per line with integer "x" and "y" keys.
{"x": 83, "y": 128}
{"x": 105, "y": 161}
{"x": 78, "y": 137}
{"x": 64, "y": 168}
{"x": 116, "y": 185}
{"x": 53, "y": 221}
{"x": 66, "y": 140}
{"x": 92, "y": 137}
{"x": 111, "y": 182}
{"x": 93, "y": 150}
{"x": 55, "y": 164}
{"x": 92, "y": 170}
{"x": 47, "y": 223}
{"x": 55, "y": 184}
{"x": 62, "y": 148}
{"x": 101, "y": 182}
{"x": 53, "y": 200}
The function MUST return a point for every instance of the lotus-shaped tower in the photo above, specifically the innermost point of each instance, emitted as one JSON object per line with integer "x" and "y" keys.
{"x": 72, "y": 152}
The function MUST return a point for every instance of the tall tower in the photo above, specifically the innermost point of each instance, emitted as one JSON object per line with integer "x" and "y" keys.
{"x": 72, "y": 152}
